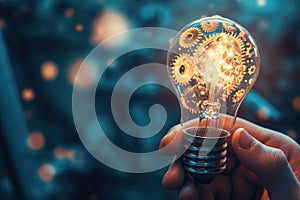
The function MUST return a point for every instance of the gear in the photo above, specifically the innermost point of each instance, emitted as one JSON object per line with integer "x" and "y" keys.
{"x": 190, "y": 37}
{"x": 228, "y": 27}
{"x": 251, "y": 70}
{"x": 193, "y": 97}
{"x": 238, "y": 95}
{"x": 249, "y": 50}
{"x": 209, "y": 26}
{"x": 182, "y": 70}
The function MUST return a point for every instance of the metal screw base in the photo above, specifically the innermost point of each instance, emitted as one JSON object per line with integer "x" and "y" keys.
{"x": 203, "y": 168}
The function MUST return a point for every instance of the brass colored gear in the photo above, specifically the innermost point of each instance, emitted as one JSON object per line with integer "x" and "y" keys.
{"x": 209, "y": 26}
{"x": 238, "y": 95}
{"x": 192, "y": 98}
{"x": 228, "y": 27}
{"x": 190, "y": 37}
{"x": 182, "y": 69}
{"x": 249, "y": 50}
{"x": 251, "y": 70}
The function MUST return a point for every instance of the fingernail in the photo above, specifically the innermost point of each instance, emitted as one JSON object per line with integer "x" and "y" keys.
{"x": 245, "y": 140}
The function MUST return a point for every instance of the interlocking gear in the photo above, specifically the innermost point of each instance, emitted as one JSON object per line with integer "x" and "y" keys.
{"x": 229, "y": 27}
{"x": 209, "y": 26}
{"x": 225, "y": 51}
{"x": 182, "y": 69}
{"x": 192, "y": 98}
{"x": 238, "y": 95}
{"x": 190, "y": 37}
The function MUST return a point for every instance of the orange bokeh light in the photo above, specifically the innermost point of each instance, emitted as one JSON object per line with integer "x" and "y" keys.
{"x": 296, "y": 103}
{"x": 49, "y": 70}
{"x": 69, "y": 12}
{"x": 46, "y": 172}
{"x": 36, "y": 140}
{"x": 106, "y": 25}
{"x": 28, "y": 94}
{"x": 78, "y": 27}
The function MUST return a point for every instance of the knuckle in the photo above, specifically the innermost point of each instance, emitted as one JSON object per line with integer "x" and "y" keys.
{"x": 278, "y": 159}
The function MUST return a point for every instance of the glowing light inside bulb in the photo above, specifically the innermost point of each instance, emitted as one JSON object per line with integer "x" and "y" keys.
{"x": 216, "y": 54}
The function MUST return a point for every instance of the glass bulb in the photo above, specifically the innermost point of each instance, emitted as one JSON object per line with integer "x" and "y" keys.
{"x": 212, "y": 62}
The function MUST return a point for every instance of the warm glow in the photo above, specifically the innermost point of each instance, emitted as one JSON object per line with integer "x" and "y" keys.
{"x": 296, "y": 103}
{"x": 36, "y": 140}
{"x": 79, "y": 27}
{"x": 27, "y": 94}
{"x": 106, "y": 25}
{"x": 61, "y": 153}
{"x": 261, "y": 2}
{"x": 46, "y": 172}
{"x": 49, "y": 70}
{"x": 69, "y": 12}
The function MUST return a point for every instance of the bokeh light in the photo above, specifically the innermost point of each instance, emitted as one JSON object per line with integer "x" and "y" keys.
{"x": 49, "y": 70}
{"x": 46, "y": 172}
{"x": 106, "y": 25}
{"x": 36, "y": 140}
{"x": 69, "y": 12}
{"x": 28, "y": 94}
{"x": 261, "y": 2}
{"x": 61, "y": 153}
{"x": 78, "y": 27}
{"x": 296, "y": 103}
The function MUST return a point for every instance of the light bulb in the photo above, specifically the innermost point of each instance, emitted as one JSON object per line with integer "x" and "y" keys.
{"x": 215, "y": 65}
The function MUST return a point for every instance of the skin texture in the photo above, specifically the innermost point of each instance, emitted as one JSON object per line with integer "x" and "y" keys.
{"x": 261, "y": 164}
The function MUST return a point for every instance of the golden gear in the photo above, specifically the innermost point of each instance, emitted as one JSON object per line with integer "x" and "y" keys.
{"x": 209, "y": 26}
{"x": 182, "y": 69}
{"x": 249, "y": 50}
{"x": 251, "y": 70}
{"x": 225, "y": 51}
{"x": 238, "y": 95}
{"x": 228, "y": 27}
{"x": 192, "y": 98}
{"x": 190, "y": 37}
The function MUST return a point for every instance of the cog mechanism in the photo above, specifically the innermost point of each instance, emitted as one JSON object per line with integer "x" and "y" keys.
{"x": 209, "y": 26}
{"x": 182, "y": 69}
{"x": 238, "y": 95}
{"x": 190, "y": 37}
{"x": 193, "y": 97}
{"x": 225, "y": 51}
{"x": 251, "y": 70}
{"x": 228, "y": 27}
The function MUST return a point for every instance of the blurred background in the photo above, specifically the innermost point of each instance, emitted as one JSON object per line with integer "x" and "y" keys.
{"x": 43, "y": 43}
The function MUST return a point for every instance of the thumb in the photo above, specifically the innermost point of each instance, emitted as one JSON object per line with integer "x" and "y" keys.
{"x": 268, "y": 163}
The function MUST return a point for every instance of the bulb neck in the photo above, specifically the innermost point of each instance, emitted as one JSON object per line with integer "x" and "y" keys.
{"x": 206, "y": 157}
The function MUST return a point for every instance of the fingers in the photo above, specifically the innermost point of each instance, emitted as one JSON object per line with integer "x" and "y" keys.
{"x": 245, "y": 182}
{"x": 269, "y": 164}
{"x": 189, "y": 190}
{"x": 219, "y": 188}
{"x": 174, "y": 177}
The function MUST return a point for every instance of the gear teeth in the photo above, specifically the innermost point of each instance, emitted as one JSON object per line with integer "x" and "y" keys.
{"x": 190, "y": 37}
{"x": 209, "y": 26}
{"x": 182, "y": 69}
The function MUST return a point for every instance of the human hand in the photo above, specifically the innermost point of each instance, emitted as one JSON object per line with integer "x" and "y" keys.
{"x": 261, "y": 164}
